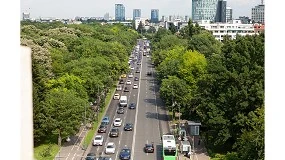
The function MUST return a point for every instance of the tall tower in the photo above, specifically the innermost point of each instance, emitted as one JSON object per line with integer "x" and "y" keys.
{"x": 136, "y": 13}
{"x": 257, "y": 13}
{"x": 119, "y": 12}
{"x": 221, "y": 11}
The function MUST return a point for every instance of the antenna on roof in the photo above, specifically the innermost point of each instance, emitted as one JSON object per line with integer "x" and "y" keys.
{"x": 262, "y": 2}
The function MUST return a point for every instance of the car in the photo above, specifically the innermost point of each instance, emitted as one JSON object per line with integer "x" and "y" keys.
{"x": 138, "y": 63}
{"x": 128, "y": 127}
{"x": 136, "y": 86}
{"x": 106, "y": 120}
{"x": 102, "y": 129}
{"x": 126, "y": 89}
{"x": 149, "y": 148}
{"x": 119, "y": 88}
{"x": 136, "y": 79}
{"x": 125, "y": 153}
{"x": 123, "y": 76}
{"x": 148, "y": 73}
{"x": 110, "y": 148}
{"x": 104, "y": 158}
{"x": 137, "y": 71}
{"x": 147, "y": 56}
{"x": 114, "y": 132}
{"x": 121, "y": 81}
{"x": 98, "y": 140}
{"x": 132, "y": 68}
{"x": 131, "y": 75}
{"x": 120, "y": 110}
{"x": 117, "y": 122}
{"x": 132, "y": 106}
{"x": 90, "y": 156}
{"x": 129, "y": 82}
{"x": 117, "y": 96}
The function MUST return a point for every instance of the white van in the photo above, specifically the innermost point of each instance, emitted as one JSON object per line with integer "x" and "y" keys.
{"x": 123, "y": 101}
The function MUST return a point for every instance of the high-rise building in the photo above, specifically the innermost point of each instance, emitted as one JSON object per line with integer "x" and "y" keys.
{"x": 204, "y": 10}
{"x": 229, "y": 14}
{"x": 136, "y": 13}
{"x": 119, "y": 12}
{"x": 26, "y": 16}
{"x": 221, "y": 11}
{"x": 257, "y": 13}
{"x": 106, "y": 16}
{"x": 154, "y": 16}
{"x": 186, "y": 18}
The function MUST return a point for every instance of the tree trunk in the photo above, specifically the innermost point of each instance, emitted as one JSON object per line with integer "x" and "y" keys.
{"x": 59, "y": 139}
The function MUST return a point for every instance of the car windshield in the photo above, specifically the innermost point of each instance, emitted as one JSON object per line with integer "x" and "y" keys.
{"x": 110, "y": 146}
{"x": 148, "y": 145}
{"x": 105, "y": 118}
{"x": 102, "y": 126}
{"x": 117, "y": 120}
{"x": 126, "y": 150}
{"x": 128, "y": 124}
{"x": 97, "y": 138}
{"x": 114, "y": 130}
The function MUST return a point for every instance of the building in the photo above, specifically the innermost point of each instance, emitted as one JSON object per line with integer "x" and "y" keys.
{"x": 221, "y": 11}
{"x": 229, "y": 14}
{"x": 107, "y": 17}
{"x": 119, "y": 12}
{"x": 258, "y": 28}
{"x": 186, "y": 18}
{"x": 257, "y": 14}
{"x": 232, "y": 28}
{"x": 204, "y": 10}
{"x": 154, "y": 16}
{"x": 141, "y": 19}
{"x": 163, "y": 19}
{"x": 244, "y": 19}
{"x": 136, "y": 13}
{"x": 26, "y": 16}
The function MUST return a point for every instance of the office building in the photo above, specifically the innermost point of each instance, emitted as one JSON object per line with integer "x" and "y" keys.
{"x": 221, "y": 11}
{"x": 136, "y": 13}
{"x": 154, "y": 16}
{"x": 229, "y": 14}
{"x": 26, "y": 16}
{"x": 107, "y": 17}
{"x": 119, "y": 12}
{"x": 204, "y": 10}
{"x": 257, "y": 13}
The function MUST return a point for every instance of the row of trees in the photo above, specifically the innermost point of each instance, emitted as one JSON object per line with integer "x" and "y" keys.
{"x": 72, "y": 65}
{"x": 220, "y": 84}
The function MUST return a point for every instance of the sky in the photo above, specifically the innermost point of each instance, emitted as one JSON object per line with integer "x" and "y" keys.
{"x": 97, "y": 8}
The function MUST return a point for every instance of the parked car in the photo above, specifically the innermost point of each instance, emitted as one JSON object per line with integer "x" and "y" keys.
{"x": 116, "y": 96}
{"x": 149, "y": 148}
{"x": 98, "y": 140}
{"x": 117, "y": 122}
{"x": 110, "y": 148}
{"x": 128, "y": 127}
{"x": 102, "y": 129}
{"x": 114, "y": 132}
{"x": 106, "y": 119}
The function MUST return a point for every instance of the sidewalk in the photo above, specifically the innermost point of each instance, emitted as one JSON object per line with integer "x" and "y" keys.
{"x": 73, "y": 150}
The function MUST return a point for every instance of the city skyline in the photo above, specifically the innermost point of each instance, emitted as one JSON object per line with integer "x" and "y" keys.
{"x": 88, "y": 8}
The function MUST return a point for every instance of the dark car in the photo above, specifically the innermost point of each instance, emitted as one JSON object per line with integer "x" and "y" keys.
{"x": 125, "y": 153}
{"x": 132, "y": 106}
{"x": 137, "y": 71}
{"x": 128, "y": 127}
{"x": 121, "y": 81}
{"x": 106, "y": 119}
{"x": 91, "y": 156}
{"x": 136, "y": 79}
{"x": 126, "y": 89}
{"x": 148, "y": 73}
{"x": 120, "y": 110}
{"x": 102, "y": 128}
{"x": 149, "y": 148}
{"x": 114, "y": 132}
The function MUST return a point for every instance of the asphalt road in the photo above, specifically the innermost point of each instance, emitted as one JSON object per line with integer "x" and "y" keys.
{"x": 149, "y": 118}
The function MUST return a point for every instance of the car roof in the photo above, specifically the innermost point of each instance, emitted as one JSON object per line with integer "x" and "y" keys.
{"x": 110, "y": 143}
{"x": 99, "y": 136}
{"x": 118, "y": 119}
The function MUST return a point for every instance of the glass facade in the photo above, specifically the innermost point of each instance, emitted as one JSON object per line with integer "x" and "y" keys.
{"x": 136, "y": 13}
{"x": 204, "y": 9}
{"x": 119, "y": 12}
{"x": 154, "y": 15}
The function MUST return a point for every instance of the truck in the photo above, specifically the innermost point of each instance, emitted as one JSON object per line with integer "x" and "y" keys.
{"x": 185, "y": 147}
{"x": 123, "y": 101}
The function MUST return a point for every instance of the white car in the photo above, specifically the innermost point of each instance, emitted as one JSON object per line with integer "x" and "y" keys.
{"x": 129, "y": 82}
{"x": 132, "y": 68}
{"x": 119, "y": 88}
{"x": 110, "y": 148}
{"x": 98, "y": 140}
{"x": 117, "y": 122}
{"x": 147, "y": 56}
{"x": 116, "y": 96}
{"x": 136, "y": 86}
{"x": 131, "y": 75}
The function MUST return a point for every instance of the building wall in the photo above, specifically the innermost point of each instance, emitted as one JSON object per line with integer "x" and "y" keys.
{"x": 257, "y": 14}
{"x": 221, "y": 11}
{"x": 154, "y": 16}
{"x": 204, "y": 9}
{"x": 119, "y": 12}
{"x": 219, "y": 30}
{"x": 229, "y": 14}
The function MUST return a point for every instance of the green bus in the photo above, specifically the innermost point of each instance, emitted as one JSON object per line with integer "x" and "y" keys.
{"x": 169, "y": 149}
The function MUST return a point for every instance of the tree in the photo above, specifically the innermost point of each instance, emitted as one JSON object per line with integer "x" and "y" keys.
{"x": 172, "y": 28}
{"x": 151, "y": 30}
{"x": 141, "y": 28}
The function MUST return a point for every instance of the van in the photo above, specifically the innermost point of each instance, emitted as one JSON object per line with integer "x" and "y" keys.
{"x": 123, "y": 101}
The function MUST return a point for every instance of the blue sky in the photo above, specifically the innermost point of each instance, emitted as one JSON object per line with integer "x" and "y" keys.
{"x": 96, "y": 8}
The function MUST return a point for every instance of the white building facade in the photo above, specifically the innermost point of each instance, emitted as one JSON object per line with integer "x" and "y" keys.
{"x": 219, "y": 30}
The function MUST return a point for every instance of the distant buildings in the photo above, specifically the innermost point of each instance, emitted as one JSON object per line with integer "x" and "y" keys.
{"x": 26, "y": 16}
{"x": 106, "y": 16}
{"x": 257, "y": 14}
{"x": 221, "y": 11}
{"x": 244, "y": 19}
{"x": 229, "y": 14}
{"x": 119, "y": 12}
{"x": 259, "y": 28}
{"x": 136, "y": 13}
{"x": 154, "y": 16}
{"x": 186, "y": 18}
{"x": 204, "y": 10}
